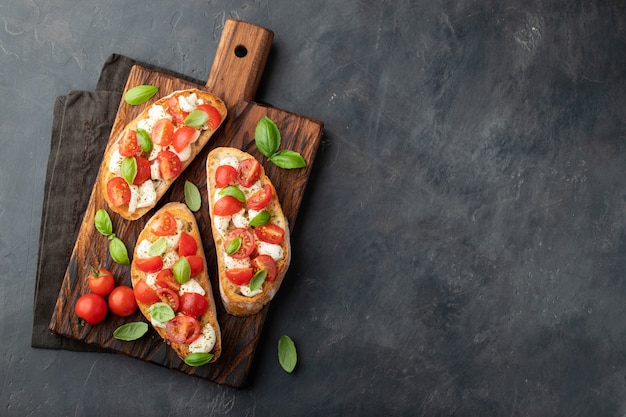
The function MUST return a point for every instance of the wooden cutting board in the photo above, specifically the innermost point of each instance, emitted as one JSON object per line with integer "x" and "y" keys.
{"x": 235, "y": 76}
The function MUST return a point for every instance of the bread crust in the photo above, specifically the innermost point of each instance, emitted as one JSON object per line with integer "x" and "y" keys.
{"x": 161, "y": 186}
{"x": 180, "y": 212}
{"x": 235, "y": 303}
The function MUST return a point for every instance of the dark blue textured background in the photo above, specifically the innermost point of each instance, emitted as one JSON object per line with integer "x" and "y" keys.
{"x": 461, "y": 246}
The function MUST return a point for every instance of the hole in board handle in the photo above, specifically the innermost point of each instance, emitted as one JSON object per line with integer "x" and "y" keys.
{"x": 241, "y": 51}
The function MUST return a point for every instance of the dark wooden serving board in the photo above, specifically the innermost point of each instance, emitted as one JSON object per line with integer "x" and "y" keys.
{"x": 235, "y": 76}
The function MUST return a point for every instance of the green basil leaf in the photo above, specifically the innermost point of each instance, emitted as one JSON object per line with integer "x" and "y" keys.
{"x": 140, "y": 94}
{"x": 182, "y": 270}
{"x": 198, "y": 358}
{"x": 260, "y": 219}
{"x": 234, "y": 245}
{"x": 233, "y": 191}
{"x": 161, "y": 312}
{"x": 287, "y": 355}
{"x": 131, "y": 331}
{"x": 118, "y": 251}
{"x": 129, "y": 169}
{"x": 103, "y": 222}
{"x": 144, "y": 140}
{"x": 267, "y": 136}
{"x": 196, "y": 119}
{"x": 158, "y": 247}
{"x": 192, "y": 196}
{"x": 258, "y": 279}
{"x": 288, "y": 159}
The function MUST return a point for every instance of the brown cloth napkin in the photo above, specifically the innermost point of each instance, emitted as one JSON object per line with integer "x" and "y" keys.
{"x": 81, "y": 125}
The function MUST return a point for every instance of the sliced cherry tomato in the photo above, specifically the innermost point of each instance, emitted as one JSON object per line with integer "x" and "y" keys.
{"x": 118, "y": 191}
{"x": 168, "y": 296}
{"x": 165, "y": 279}
{"x": 101, "y": 281}
{"x": 173, "y": 108}
{"x": 187, "y": 245}
{"x": 239, "y": 276}
{"x": 265, "y": 262}
{"x": 91, "y": 307}
{"x": 248, "y": 172}
{"x": 122, "y": 301}
{"x": 143, "y": 170}
{"x": 225, "y": 175}
{"x": 270, "y": 233}
{"x": 214, "y": 116}
{"x": 144, "y": 293}
{"x": 162, "y": 132}
{"x": 260, "y": 199}
{"x": 183, "y": 136}
{"x": 149, "y": 265}
{"x": 247, "y": 246}
{"x": 196, "y": 264}
{"x": 165, "y": 225}
{"x": 182, "y": 329}
{"x": 169, "y": 165}
{"x": 193, "y": 304}
{"x": 129, "y": 146}
{"x": 227, "y": 206}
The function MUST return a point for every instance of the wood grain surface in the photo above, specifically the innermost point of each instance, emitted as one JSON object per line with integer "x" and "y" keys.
{"x": 234, "y": 77}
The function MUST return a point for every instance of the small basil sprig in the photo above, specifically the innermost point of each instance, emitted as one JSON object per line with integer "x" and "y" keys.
{"x": 131, "y": 331}
{"x": 181, "y": 270}
{"x": 161, "y": 312}
{"x": 258, "y": 279}
{"x": 129, "y": 169}
{"x": 144, "y": 140}
{"x": 140, "y": 94}
{"x": 233, "y": 191}
{"x": 260, "y": 219}
{"x": 158, "y": 247}
{"x": 192, "y": 196}
{"x": 116, "y": 246}
{"x": 233, "y": 246}
{"x": 287, "y": 355}
{"x": 196, "y": 118}
{"x": 198, "y": 358}
{"x": 267, "y": 139}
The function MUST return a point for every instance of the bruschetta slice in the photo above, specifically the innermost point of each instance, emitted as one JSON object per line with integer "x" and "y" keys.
{"x": 250, "y": 231}
{"x": 156, "y": 147}
{"x": 171, "y": 284}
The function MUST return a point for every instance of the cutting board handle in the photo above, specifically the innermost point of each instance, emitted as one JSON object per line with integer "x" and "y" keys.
{"x": 239, "y": 62}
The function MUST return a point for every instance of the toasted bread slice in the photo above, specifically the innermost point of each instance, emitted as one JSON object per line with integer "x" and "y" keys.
{"x": 145, "y": 196}
{"x": 234, "y": 270}
{"x": 210, "y": 340}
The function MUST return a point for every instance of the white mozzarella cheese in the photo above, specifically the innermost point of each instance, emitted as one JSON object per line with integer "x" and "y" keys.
{"x": 191, "y": 286}
{"x": 247, "y": 292}
{"x": 115, "y": 163}
{"x": 142, "y": 248}
{"x": 146, "y": 194}
{"x": 275, "y": 251}
{"x": 206, "y": 341}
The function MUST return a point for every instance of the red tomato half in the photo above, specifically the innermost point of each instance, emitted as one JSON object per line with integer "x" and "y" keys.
{"x": 265, "y": 262}
{"x": 165, "y": 279}
{"x": 193, "y": 304}
{"x": 248, "y": 172}
{"x": 187, "y": 245}
{"x": 91, "y": 307}
{"x": 169, "y": 165}
{"x": 260, "y": 199}
{"x": 270, "y": 233}
{"x": 165, "y": 225}
{"x": 173, "y": 108}
{"x": 214, "y": 116}
{"x": 101, "y": 281}
{"x": 227, "y": 206}
{"x": 122, "y": 301}
{"x": 183, "y": 136}
{"x": 149, "y": 265}
{"x": 162, "y": 132}
{"x": 247, "y": 246}
{"x": 118, "y": 191}
{"x": 225, "y": 175}
{"x": 128, "y": 144}
{"x": 239, "y": 276}
{"x": 196, "y": 264}
{"x": 169, "y": 296}
{"x": 143, "y": 170}
{"x": 144, "y": 293}
{"x": 182, "y": 329}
